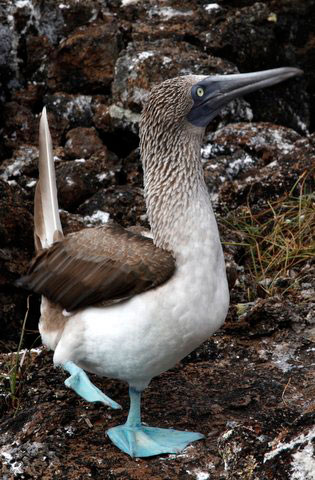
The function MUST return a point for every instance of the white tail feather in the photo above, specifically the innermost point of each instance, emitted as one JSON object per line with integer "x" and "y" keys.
{"x": 46, "y": 213}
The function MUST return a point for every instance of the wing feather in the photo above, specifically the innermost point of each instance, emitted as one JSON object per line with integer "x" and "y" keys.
{"x": 47, "y": 225}
{"x": 98, "y": 265}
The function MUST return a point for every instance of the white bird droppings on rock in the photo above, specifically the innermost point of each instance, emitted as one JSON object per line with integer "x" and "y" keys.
{"x": 211, "y": 6}
{"x": 31, "y": 183}
{"x": 198, "y": 474}
{"x": 303, "y": 466}
{"x": 281, "y": 356}
{"x": 300, "y": 440}
{"x": 124, "y": 3}
{"x": 97, "y": 218}
{"x": 239, "y": 165}
{"x": 169, "y": 12}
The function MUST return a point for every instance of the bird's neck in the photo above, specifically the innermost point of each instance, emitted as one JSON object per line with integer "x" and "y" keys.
{"x": 177, "y": 200}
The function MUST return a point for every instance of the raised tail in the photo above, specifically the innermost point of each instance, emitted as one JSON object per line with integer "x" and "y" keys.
{"x": 47, "y": 225}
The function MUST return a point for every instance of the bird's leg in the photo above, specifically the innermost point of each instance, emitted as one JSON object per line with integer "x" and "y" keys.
{"x": 137, "y": 440}
{"x": 134, "y": 414}
{"x": 81, "y": 384}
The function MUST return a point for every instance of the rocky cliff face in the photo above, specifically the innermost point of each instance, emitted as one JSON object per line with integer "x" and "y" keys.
{"x": 92, "y": 64}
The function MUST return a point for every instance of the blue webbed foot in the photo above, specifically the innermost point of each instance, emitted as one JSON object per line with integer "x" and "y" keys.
{"x": 145, "y": 441}
{"x": 81, "y": 384}
{"x": 140, "y": 441}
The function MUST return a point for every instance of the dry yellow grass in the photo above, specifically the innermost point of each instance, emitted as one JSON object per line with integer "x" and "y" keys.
{"x": 279, "y": 240}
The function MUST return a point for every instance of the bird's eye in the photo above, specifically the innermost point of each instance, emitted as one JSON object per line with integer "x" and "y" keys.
{"x": 200, "y": 91}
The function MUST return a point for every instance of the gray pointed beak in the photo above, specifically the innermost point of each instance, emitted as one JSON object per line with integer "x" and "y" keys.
{"x": 212, "y": 93}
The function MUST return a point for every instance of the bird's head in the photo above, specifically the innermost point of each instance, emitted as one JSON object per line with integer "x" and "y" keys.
{"x": 194, "y": 100}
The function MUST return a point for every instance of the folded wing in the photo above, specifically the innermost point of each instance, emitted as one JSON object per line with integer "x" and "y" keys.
{"x": 98, "y": 265}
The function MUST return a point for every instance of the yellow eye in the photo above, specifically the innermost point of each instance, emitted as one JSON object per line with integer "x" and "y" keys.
{"x": 200, "y": 91}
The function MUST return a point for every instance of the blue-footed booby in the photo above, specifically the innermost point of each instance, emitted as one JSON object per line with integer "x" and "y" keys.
{"x": 124, "y": 306}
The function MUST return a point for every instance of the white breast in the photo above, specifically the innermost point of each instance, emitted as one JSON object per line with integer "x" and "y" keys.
{"x": 138, "y": 339}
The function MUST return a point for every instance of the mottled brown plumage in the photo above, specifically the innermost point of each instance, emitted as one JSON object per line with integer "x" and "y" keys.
{"x": 170, "y": 151}
{"x": 98, "y": 265}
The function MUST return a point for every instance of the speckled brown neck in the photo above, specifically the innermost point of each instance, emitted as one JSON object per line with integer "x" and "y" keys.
{"x": 173, "y": 178}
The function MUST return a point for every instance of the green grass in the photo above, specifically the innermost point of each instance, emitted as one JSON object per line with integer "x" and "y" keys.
{"x": 14, "y": 376}
{"x": 279, "y": 240}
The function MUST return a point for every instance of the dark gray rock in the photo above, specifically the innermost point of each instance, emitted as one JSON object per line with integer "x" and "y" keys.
{"x": 82, "y": 143}
{"x": 15, "y": 218}
{"x": 66, "y": 111}
{"x": 79, "y": 179}
{"x": 85, "y": 60}
{"x": 124, "y": 204}
{"x": 6, "y": 39}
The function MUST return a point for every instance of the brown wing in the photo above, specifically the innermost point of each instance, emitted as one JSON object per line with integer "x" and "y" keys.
{"x": 106, "y": 264}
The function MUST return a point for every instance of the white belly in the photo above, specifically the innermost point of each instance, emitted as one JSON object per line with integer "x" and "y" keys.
{"x": 136, "y": 340}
